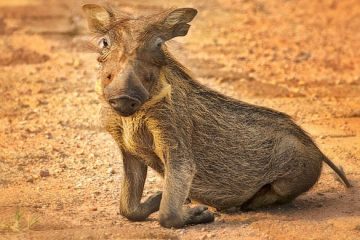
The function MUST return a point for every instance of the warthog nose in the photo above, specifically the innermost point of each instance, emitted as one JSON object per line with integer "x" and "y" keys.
{"x": 125, "y": 105}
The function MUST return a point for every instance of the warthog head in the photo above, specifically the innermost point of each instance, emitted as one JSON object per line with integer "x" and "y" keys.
{"x": 132, "y": 52}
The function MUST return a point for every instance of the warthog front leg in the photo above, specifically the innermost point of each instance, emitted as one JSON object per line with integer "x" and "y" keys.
{"x": 173, "y": 213}
{"x": 132, "y": 187}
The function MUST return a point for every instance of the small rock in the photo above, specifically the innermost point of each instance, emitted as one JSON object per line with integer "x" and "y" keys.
{"x": 30, "y": 179}
{"x": 44, "y": 173}
{"x": 63, "y": 165}
{"x": 111, "y": 171}
{"x": 49, "y": 135}
{"x": 94, "y": 209}
{"x": 76, "y": 63}
{"x": 302, "y": 56}
{"x": 97, "y": 193}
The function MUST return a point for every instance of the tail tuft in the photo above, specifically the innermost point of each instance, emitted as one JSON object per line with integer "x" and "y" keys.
{"x": 339, "y": 171}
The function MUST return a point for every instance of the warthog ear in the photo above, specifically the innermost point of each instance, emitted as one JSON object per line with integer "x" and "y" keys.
{"x": 98, "y": 17}
{"x": 176, "y": 22}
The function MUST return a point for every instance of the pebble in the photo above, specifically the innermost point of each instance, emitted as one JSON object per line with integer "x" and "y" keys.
{"x": 76, "y": 63}
{"x": 44, "y": 173}
{"x": 30, "y": 179}
{"x": 111, "y": 171}
{"x": 63, "y": 165}
{"x": 49, "y": 136}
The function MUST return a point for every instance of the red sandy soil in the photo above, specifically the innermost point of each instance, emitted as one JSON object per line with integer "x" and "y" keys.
{"x": 300, "y": 57}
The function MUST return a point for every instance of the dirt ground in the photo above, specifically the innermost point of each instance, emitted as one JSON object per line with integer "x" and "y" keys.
{"x": 60, "y": 173}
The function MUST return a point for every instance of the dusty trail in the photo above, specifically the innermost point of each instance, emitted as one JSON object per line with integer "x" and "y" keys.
{"x": 300, "y": 57}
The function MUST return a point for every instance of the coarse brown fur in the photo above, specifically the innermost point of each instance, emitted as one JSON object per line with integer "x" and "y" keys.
{"x": 209, "y": 147}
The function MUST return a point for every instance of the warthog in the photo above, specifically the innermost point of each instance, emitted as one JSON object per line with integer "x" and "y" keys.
{"x": 208, "y": 147}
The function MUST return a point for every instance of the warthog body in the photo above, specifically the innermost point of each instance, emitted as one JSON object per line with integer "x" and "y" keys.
{"x": 208, "y": 147}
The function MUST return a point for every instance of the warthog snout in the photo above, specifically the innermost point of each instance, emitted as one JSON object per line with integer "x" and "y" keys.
{"x": 125, "y": 105}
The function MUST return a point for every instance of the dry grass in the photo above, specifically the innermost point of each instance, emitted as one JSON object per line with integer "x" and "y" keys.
{"x": 19, "y": 223}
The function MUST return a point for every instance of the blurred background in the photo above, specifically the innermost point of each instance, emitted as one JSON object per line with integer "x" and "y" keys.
{"x": 60, "y": 174}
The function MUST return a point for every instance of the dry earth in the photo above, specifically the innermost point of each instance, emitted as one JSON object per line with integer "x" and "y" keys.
{"x": 59, "y": 173}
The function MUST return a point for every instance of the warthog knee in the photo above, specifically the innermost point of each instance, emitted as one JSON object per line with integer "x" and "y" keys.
{"x": 135, "y": 216}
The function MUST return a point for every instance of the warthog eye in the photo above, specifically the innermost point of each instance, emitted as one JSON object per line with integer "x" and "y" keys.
{"x": 108, "y": 79}
{"x": 104, "y": 42}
